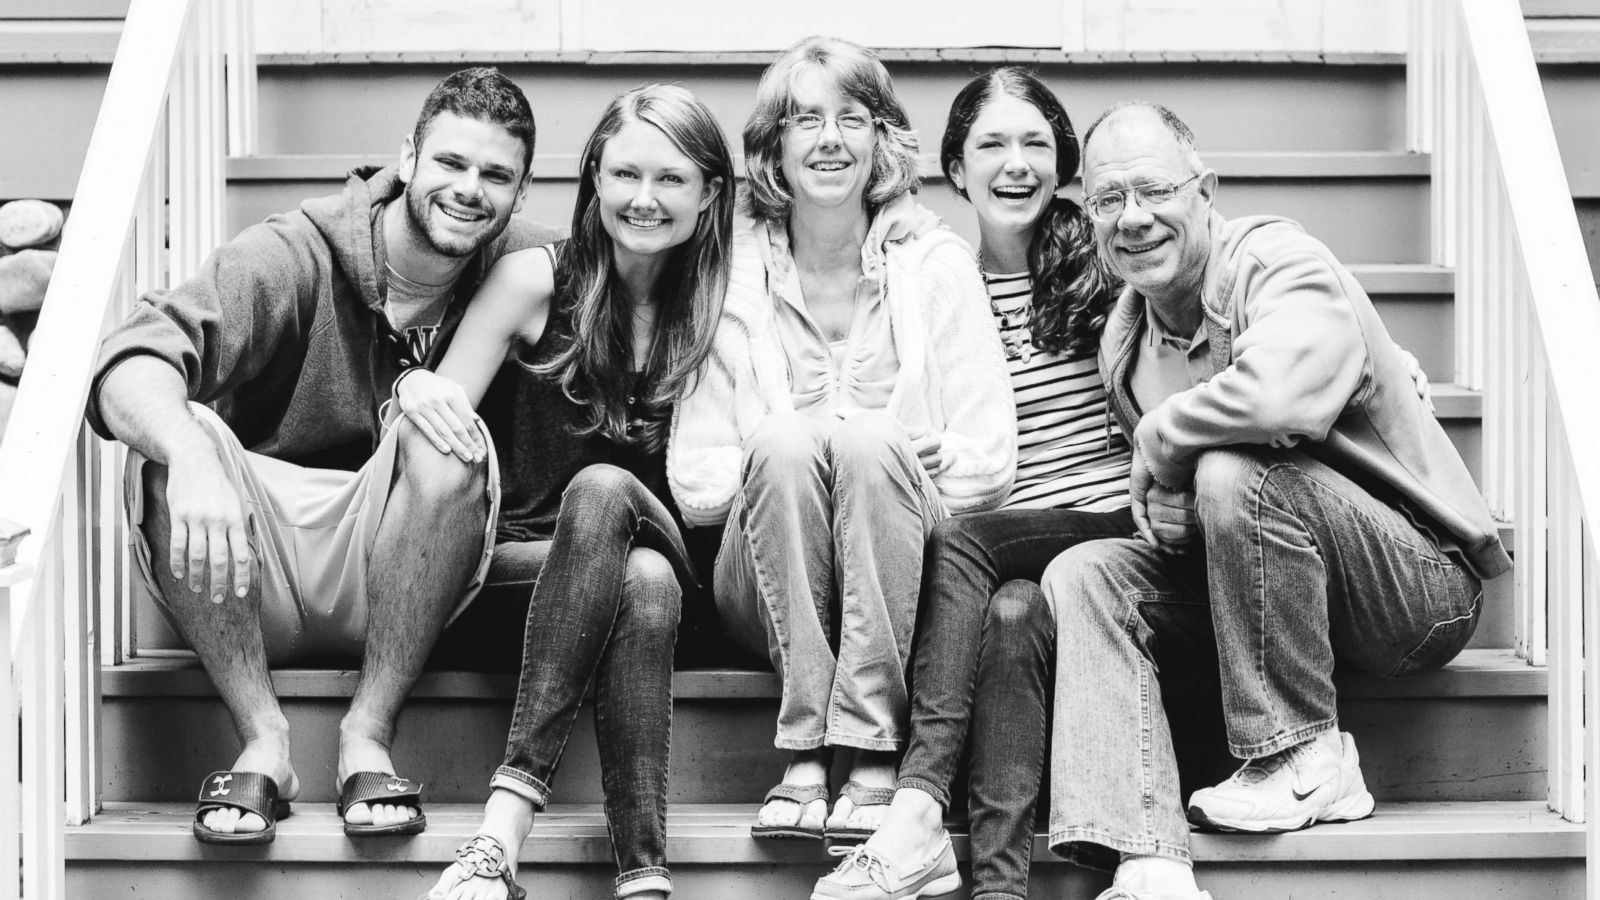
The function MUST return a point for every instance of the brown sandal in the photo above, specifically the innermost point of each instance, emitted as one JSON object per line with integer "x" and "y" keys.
{"x": 803, "y": 794}
{"x": 859, "y": 795}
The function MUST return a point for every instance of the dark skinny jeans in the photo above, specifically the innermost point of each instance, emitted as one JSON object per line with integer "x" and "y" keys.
{"x": 985, "y": 633}
{"x": 606, "y": 599}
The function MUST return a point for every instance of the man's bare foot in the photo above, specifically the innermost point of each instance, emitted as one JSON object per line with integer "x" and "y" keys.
{"x": 870, "y": 769}
{"x": 362, "y": 753}
{"x": 807, "y": 767}
{"x": 270, "y": 757}
{"x": 507, "y": 817}
{"x": 912, "y": 830}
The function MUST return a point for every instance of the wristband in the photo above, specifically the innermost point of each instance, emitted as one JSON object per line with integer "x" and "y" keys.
{"x": 394, "y": 389}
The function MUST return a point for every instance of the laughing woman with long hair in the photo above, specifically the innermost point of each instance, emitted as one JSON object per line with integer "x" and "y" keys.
{"x": 985, "y": 637}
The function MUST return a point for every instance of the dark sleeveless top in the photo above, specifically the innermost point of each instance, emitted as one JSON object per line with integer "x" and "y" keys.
{"x": 533, "y": 425}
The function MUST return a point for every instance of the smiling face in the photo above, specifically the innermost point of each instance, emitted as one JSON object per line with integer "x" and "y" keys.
{"x": 463, "y": 183}
{"x": 1008, "y": 167}
{"x": 650, "y": 194}
{"x": 1160, "y": 251}
{"x": 829, "y": 167}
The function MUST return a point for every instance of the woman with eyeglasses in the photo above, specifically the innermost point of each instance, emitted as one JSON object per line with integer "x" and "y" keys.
{"x": 599, "y": 336}
{"x": 986, "y": 637}
{"x": 856, "y": 397}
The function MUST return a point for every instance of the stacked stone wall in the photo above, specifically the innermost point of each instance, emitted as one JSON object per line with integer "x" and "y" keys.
{"x": 30, "y": 232}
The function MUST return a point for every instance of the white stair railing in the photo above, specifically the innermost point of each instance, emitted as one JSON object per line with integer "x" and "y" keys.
{"x": 148, "y": 206}
{"x": 1527, "y": 328}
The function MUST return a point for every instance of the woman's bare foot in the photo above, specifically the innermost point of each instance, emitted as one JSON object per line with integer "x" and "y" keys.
{"x": 268, "y": 755}
{"x": 870, "y": 769}
{"x": 807, "y": 767}
{"x": 507, "y": 817}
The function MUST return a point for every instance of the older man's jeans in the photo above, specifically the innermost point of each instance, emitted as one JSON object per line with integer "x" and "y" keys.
{"x": 1302, "y": 569}
{"x": 606, "y": 596}
{"x": 829, "y": 515}
{"x": 982, "y": 654}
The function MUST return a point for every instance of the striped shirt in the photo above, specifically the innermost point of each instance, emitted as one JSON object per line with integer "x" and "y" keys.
{"x": 1070, "y": 454}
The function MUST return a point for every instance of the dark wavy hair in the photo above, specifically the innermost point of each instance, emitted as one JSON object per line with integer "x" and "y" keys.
{"x": 484, "y": 94}
{"x": 595, "y": 356}
{"x": 1073, "y": 291}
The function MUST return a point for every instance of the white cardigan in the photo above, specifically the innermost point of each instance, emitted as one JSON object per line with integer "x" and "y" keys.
{"x": 952, "y": 370}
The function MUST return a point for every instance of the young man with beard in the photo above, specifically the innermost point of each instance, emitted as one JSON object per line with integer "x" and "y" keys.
{"x": 285, "y": 523}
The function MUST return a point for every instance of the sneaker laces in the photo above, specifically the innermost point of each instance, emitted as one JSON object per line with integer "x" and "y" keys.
{"x": 864, "y": 858}
{"x": 1258, "y": 770}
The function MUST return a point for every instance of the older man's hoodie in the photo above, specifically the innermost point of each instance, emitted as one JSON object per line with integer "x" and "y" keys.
{"x": 1299, "y": 358}
{"x": 283, "y": 332}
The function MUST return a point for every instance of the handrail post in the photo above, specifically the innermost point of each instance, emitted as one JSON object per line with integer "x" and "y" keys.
{"x": 239, "y": 39}
{"x": 11, "y": 573}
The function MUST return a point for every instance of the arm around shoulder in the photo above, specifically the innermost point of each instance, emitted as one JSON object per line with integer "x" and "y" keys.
{"x": 512, "y": 303}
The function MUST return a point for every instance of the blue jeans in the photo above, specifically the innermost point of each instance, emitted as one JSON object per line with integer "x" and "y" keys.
{"x": 982, "y": 654}
{"x": 829, "y": 514}
{"x": 1301, "y": 569}
{"x": 606, "y": 596}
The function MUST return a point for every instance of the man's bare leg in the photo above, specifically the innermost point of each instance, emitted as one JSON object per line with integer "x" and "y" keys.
{"x": 426, "y": 548}
{"x": 227, "y": 638}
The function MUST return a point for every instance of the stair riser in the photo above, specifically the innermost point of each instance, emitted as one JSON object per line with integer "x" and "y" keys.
{"x": 156, "y": 750}
{"x": 50, "y": 113}
{"x": 1443, "y": 880}
{"x": 1425, "y": 325}
{"x": 1363, "y": 220}
{"x": 315, "y": 109}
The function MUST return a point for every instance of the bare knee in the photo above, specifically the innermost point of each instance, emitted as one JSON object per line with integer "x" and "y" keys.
{"x": 432, "y": 476}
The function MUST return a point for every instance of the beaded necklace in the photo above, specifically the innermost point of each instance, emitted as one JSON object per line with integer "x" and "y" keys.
{"x": 1016, "y": 333}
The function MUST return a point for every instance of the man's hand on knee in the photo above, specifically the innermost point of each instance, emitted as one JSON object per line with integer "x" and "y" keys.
{"x": 208, "y": 533}
{"x": 1164, "y": 516}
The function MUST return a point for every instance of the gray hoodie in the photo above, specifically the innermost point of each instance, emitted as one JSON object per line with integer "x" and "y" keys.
{"x": 283, "y": 331}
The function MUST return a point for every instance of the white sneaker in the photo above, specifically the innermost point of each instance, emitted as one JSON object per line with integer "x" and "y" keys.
{"x": 1117, "y": 893}
{"x": 1316, "y": 781}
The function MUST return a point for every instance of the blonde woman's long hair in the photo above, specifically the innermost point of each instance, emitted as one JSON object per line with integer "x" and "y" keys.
{"x": 593, "y": 362}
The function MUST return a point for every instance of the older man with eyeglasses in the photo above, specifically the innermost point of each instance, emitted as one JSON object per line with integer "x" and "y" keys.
{"x": 1298, "y": 507}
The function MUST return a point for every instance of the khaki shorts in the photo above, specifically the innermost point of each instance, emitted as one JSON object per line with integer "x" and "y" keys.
{"x": 311, "y": 531}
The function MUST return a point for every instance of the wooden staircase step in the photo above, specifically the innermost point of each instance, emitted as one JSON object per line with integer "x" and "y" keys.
{"x": 1370, "y": 206}
{"x": 720, "y": 834}
{"x": 1416, "y": 851}
{"x": 58, "y": 40}
{"x": 1473, "y": 731}
{"x": 1265, "y": 165}
{"x": 1475, "y": 673}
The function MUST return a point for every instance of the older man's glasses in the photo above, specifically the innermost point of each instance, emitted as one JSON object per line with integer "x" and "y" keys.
{"x": 1107, "y": 205}
{"x": 811, "y": 123}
